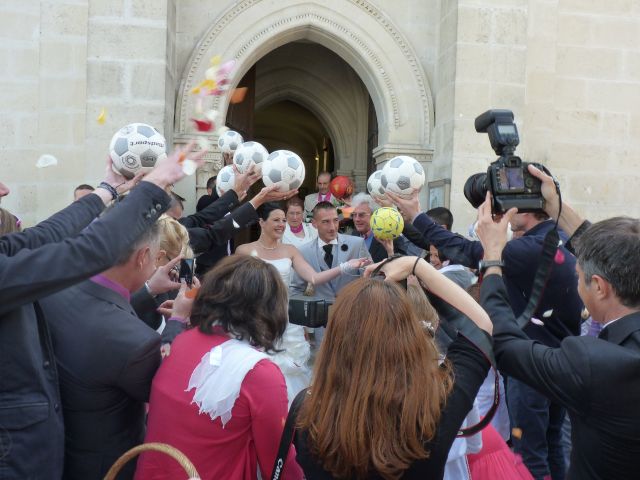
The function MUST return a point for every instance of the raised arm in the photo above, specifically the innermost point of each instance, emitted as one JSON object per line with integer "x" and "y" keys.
{"x": 226, "y": 203}
{"x": 224, "y": 229}
{"x": 457, "y": 248}
{"x": 308, "y": 274}
{"x": 69, "y": 221}
{"x": 34, "y": 273}
{"x": 569, "y": 220}
{"x": 400, "y": 268}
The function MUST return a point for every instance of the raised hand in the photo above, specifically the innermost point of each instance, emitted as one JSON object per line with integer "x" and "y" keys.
{"x": 271, "y": 194}
{"x": 408, "y": 207}
{"x": 492, "y": 231}
{"x": 162, "y": 280}
{"x": 183, "y": 302}
{"x": 549, "y": 192}
{"x": 397, "y": 269}
{"x": 243, "y": 181}
{"x": 169, "y": 170}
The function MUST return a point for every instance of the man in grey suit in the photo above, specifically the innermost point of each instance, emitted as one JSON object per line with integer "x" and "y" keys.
{"x": 106, "y": 358}
{"x": 329, "y": 250}
{"x": 322, "y": 195}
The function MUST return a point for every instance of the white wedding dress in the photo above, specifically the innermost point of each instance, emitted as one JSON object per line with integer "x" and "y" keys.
{"x": 296, "y": 351}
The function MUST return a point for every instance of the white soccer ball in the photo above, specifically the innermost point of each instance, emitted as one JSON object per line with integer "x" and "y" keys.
{"x": 225, "y": 180}
{"x": 283, "y": 168}
{"x": 374, "y": 184}
{"x": 229, "y": 141}
{"x": 249, "y": 153}
{"x": 136, "y": 147}
{"x": 402, "y": 175}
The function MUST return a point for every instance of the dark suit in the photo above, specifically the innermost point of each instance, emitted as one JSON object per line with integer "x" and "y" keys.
{"x": 377, "y": 251}
{"x": 596, "y": 379}
{"x": 541, "y": 448}
{"x": 37, "y": 262}
{"x": 106, "y": 360}
{"x": 212, "y": 212}
{"x": 209, "y": 229}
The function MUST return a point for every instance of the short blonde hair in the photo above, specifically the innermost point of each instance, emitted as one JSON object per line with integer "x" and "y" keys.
{"x": 174, "y": 238}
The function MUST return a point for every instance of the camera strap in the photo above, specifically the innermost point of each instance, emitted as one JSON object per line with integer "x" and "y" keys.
{"x": 550, "y": 246}
{"x": 287, "y": 435}
{"x": 464, "y": 327}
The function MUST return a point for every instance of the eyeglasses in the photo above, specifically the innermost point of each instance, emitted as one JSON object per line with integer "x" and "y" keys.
{"x": 360, "y": 215}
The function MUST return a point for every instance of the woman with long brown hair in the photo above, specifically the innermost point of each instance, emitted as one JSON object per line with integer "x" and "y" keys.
{"x": 380, "y": 403}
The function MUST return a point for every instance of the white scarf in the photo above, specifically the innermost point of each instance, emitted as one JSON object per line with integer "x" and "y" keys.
{"x": 219, "y": 375}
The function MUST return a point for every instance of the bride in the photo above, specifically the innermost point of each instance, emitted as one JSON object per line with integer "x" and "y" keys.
{"x": 295, "y": 353}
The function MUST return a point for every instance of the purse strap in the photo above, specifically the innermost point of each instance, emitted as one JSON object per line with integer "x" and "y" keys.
{"x": 287, "y": 435}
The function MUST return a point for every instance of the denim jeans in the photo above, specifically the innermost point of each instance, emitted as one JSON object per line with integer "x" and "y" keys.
{"x": 540, "y": 422}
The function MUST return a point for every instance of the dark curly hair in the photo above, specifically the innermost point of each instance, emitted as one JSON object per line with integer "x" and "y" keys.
{"x": 247, "y": 298}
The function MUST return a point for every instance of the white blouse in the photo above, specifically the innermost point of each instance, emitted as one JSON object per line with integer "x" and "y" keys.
{"x": 291, "y": 238}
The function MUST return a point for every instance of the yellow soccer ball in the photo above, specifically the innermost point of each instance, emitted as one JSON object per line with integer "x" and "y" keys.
{"x": 386, "y": 223}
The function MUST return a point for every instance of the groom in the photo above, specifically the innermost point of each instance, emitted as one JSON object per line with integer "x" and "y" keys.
{"x": 329, "y": 250}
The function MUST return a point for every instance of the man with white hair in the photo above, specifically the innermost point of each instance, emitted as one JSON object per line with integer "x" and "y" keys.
{"x": 363, "y": 207}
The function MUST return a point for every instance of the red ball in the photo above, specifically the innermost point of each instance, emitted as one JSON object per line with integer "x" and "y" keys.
{"x": 341, "y": 186}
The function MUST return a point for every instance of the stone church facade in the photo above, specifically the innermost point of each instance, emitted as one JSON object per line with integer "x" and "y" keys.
{"x": 355, "y": 81}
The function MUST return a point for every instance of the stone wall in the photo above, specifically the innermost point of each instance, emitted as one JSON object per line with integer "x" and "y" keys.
{"x": 63, "y": 61}
{"x": 570, "y": 71}
{"x": 43, "y": 81}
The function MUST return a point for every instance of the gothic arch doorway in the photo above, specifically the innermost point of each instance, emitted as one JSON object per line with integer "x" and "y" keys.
{"x": 390, "y": 77}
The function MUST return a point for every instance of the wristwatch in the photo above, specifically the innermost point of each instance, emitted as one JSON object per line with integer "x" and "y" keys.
{"x": 484, "y": 264}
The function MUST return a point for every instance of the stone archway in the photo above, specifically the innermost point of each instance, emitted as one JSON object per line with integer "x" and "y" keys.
{"x": 357, "y": 32}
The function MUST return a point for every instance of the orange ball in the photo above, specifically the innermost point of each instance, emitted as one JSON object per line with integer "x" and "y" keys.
{"x": 341, "y": 186}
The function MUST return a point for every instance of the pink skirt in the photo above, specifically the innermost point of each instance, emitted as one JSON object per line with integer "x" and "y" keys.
{"x": 496, "y": 461}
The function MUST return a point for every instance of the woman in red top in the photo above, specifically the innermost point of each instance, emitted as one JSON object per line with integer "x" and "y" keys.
{"x": 217, "y": 397}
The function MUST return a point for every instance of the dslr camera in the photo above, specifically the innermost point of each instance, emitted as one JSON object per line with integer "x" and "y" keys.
{"x": 309, "y": 312}
{"x": 508, "y": 179}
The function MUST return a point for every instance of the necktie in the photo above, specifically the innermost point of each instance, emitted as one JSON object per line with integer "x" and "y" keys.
{"x": 328, "y": 255}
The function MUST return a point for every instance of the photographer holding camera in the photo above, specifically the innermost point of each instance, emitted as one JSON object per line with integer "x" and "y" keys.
{"x": 536, "y": 420}
{"x": 595, "y": 379}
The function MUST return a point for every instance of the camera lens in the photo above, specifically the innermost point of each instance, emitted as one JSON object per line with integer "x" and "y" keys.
{"x": 475, "y": 189}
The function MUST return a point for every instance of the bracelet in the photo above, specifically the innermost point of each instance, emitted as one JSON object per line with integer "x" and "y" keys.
{"x": 346, "y": 269}
{"x": 413, "y": 270}
{"x": 110, "y": 189}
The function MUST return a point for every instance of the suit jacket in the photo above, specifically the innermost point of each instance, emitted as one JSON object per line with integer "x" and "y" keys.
{"x": 521, "y": 258}
{"x": 106, "y": 359}
{"x": 212, "y": 212}
{"x": 596, "y": 379}
{"x": 348, "y": 248}
{"x": 311, "y": 201}
{"x": 205, "y": 240}
{"x": 55, "y": 254}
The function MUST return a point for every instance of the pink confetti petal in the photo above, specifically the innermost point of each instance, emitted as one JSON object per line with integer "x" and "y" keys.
{"x": 226, "y": 68}
{"x": 559, "y": 258}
